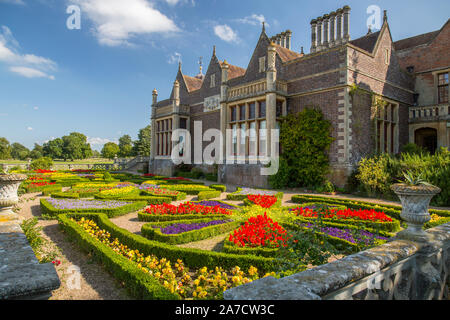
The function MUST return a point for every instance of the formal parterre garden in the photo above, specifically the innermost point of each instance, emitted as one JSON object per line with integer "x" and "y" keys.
{"x": 261, "y": 237}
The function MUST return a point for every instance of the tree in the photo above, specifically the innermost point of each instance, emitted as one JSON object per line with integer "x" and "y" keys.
{"x": 5, "y": 149}
{"x": 96, "y": 154}
{"x": 75, "y": 146}
{"x": 19, "y": 151}
{"x": 45, "y": 163}
{"x": 143, "y": 144}
{"x": 37, "y": 152}
{"x": 53, "y": 148}
{"x": 125, "y": 146}
{"x": 110, "y": 150}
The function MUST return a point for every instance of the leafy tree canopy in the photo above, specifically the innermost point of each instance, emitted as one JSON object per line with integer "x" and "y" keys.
{"x": 110, "y": 150}
{"x": 5, "y": 149}
{"x": 143, "y": 145}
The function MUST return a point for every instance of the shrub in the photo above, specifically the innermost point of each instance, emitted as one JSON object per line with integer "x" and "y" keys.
{"x": 42, "y": 163}
{"x": 191, "y": 189}
{"x": 413, "y": 148}
{"x": 241, "y": 193}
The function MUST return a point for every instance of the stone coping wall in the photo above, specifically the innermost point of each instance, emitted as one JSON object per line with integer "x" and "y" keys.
{"x": 21, "y": 275}
{"x": 397, "y": 270}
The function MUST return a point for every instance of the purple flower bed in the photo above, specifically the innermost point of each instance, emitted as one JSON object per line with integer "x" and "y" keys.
{"x": 85, "y": 204}
{"x": 216, "y": 203}
{"x": 146, "y": 186}
{"x": 359, "y": 236}
{"x": 177, "y": 228}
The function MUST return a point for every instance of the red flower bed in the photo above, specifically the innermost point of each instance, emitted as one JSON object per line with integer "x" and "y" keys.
{"x": 185, "y": 208}
{"x": 148, "y": 175}
{"x": 260, "y": 231}
{"x": 40, "y": 184}
{"x": 83, "y": 171}
{"x": 43, "y": 171}
{"x": 34, "y": 178}
{"x": 264, "y": 201}
{"x": 371, "y": 215}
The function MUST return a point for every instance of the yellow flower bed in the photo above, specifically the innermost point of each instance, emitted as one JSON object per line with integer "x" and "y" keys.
{"x": 118, "y": 191}
{"x": 60, "y": 175}
{"x": 176, "y": 277}
{"x": 95, "y": 185}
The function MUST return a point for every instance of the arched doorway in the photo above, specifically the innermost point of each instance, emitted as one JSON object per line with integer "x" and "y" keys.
{"x": 426, "y": 138}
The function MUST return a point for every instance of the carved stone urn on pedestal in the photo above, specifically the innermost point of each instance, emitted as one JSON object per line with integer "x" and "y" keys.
{"x": 415, "y": 201}
{"x": 9, "y": 184}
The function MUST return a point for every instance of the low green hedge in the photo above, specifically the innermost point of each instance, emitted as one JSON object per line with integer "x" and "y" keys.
{"x": 138, "y": 283}
{"x": 178, "y": 197}
{"x": 144, "y": 216}
{"x": 235, "y": 196}
{"x": 49, "y": 210}
{"x": 205, "y": 195}
{"x": 219, "y": 187}
{"x": 211, "y": 177}
{"x": 46, "y": 191}
{"x": 391, "y": 210}
{"x": 68, "y": 182}
{"x": 188, "y": 189}
{"x": 195, "y": 235}
{"x": 230, "y": 247}
{"x": 32, "y": 189}
{"x": 192, "y": 258}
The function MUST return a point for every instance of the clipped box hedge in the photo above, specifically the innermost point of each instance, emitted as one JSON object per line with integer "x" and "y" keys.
{"x": 205, "y": 195}
{"x": 177, "y": 197}
{"x": 194, "y": 235}
{"x": 138, "y": 283}
{"x": 190, "y": 189}
{"x": 65, "y": 195}
{"x": 192, "y": 258}
{"x": 220, "y": 187}
{"x": 230, "y": 247}
{"x": 49, "y": 210}
{"x": 391, "y": 210}
{"x": 144, "y": 216}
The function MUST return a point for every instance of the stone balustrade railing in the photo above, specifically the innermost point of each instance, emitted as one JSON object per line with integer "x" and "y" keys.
{"x": 397, "y": 270}
{"x": 429, "y": 112}
{"x": 247, "y": 90}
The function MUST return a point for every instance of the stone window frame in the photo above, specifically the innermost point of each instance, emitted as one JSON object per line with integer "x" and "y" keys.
{"x": 387, "y": 56}
{"x": 163, "y": 136}
{"x": 445, "y": 85}
{"x": 387, "y": 128}
{"x": 435, "y": 76}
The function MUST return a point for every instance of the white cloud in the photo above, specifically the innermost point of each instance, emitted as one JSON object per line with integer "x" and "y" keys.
{"x": 117, "y": 21}
{"x": 30, "y": 73}
{"x": 174, "y": 58}
{"x": 36, "y": 108}
{"x": 254, "y": 19}
{"x": 27, "y": 65}
{"x": 100, "y": 141}
{"x": 175, "y": 2}
{"x": 13, "y": 2}
{"x": 225, "y": 33}
{"x": 29, "y": 128}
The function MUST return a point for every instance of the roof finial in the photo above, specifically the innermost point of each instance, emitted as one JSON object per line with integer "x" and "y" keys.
{"x": 302, "y": 51}
{"x": 179, "y": 65}
{"x": 385, "y": 16}
{"x": 214, "y": 51}
{"x": 263, "y": 26}
{"x": 369, "y": 31}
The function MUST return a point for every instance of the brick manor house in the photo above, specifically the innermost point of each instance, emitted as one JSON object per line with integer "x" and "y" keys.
{"x": 379, "y": 94}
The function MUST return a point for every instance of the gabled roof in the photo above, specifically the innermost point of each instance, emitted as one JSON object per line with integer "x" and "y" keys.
{"x": 415, "y": 41}
{"x": 367, "y": 42}
{"x": 286, "y": 54}
{"x": 192, "y": 83}
{"x": 234, "y": 71}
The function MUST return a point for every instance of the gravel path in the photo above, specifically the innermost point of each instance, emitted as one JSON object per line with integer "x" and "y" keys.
{"x": 95, "y": 283}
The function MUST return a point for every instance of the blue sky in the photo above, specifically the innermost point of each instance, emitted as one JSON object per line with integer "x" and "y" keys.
{"x": 98, "y": 80}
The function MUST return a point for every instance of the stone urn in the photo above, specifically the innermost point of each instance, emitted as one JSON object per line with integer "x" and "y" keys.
{"x": 415, "y": 200}
{"x": 9, "y": 184}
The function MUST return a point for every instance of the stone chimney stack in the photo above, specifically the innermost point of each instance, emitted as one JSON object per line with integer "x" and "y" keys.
{"x": 176, "y": 93}
{"x": 330, "y": 30}
{"x": 346, "y": 23}
{"x": 319, "y": 33}
{"x": 288, "y": 39}
{"x": 326, "y": 21}
{"x": 313, "y": 35}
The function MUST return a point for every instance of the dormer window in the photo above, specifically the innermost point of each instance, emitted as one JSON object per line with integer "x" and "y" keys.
{"x": 262, "y": 64}
{"x": 213, "y": 81}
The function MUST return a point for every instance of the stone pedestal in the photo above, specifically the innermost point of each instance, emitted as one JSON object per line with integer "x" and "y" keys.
{"x": 9, "y": 184}
{"x": 415, "y": 201}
